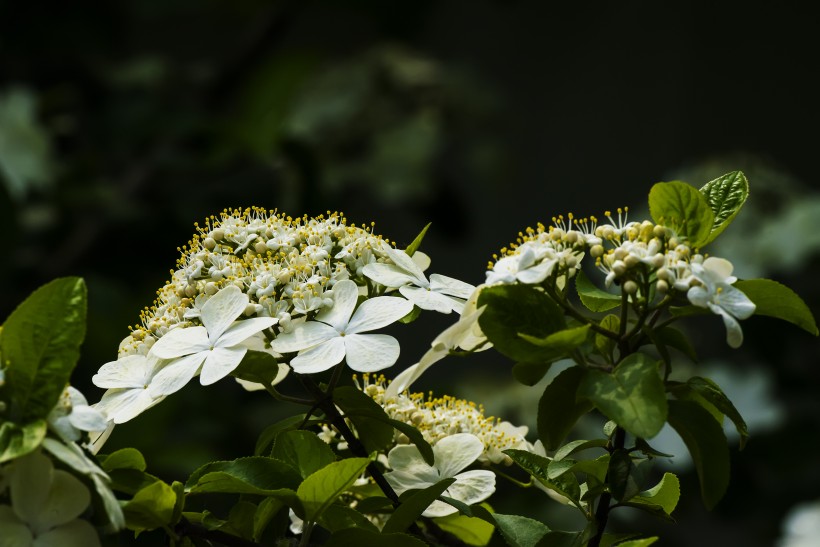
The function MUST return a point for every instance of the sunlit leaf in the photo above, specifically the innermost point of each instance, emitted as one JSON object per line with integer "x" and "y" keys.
{"x": 683, "y": 208}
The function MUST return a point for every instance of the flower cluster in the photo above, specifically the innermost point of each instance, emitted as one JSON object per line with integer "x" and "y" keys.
{"x": 306, "y": 290}
{"x": 441, "y": 417}
{"x": 643, "y": 258}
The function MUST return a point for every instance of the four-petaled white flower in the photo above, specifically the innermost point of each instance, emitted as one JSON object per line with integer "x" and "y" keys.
{"x": 718, "y": 295}
{"x": 452, "y": 454}
{"x": 72, "y": 414}
{"x": 45, "y": 506}
{"x": 526, "y": 266}
{"x": 127, "y": 381}
{"x": 441, "y": 293}
{"x": 336, "y": 333}
{"x": 215, "y": 349}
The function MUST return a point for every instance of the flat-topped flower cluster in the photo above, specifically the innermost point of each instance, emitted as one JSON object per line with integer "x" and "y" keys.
{"x": 306, "y": 290}
{"x": 646, "y": 260}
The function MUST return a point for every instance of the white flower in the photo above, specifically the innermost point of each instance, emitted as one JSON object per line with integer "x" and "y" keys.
{"x": 523, "y": 267}
{"x": 718, "y": 295}
{"x": 45, "y": 504}
{"x": 441, "y": 293}
{"x": 127, "y": 381}
{"x": 214, "y": 348}
{"x": 72, "y": 414}
{"x": 452, "y": 455}
{"x": 336, "y": 333}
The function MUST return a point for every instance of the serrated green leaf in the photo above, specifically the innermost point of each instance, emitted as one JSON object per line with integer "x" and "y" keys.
{"x": 595, "y": 470}
{"x": 519, "y": 309}
{"x": 251, "y": 475}
{"x": 538, "y": 466}
{"x": 324, "y": 486}
{"x": 125, "y": 458}
{"x": 303, "y": 450}
{"x": 706, "y": 442}
{"x": 561, "y": 539}
{"x": 665, "y": 494}
{"x": 266, "y": 510}
{"x": 725, "y": 196}
{"x": 151, "y": 508}
{"x": 40, "y": 344}
{"x": 520, "y": 531}
{"x": 361, "y": 537}
{"x": 414, "y": 505}
{"x": 16, "y": 441}
{"x": 710, "y": 391}
{"x": 268, "y": 435}
{"x": 592, "y": 297}
{"x": 559, "y": 409}
{"x": 683, "y": 208}
{"x": 240, "y": 519}
{"x": 470, "y": 530}
{"x": 775, "y": 300}
{"x": 414, "y": 246}
{"x": 633, "y": 395}
{"x": 561, "y": 342}
{"x": 577, "y": 446}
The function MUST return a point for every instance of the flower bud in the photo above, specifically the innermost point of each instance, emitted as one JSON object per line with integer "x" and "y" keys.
{"x": 260, "y": 247}
{"x": 217, "y": 235}
{"x": 211, "y": 288}
{"x": 662, "y": 286}
{"x": 630, "y": 287}
{"x": 209, "y": 243}
{"x": 619, "y": 268}
{"x": 631, "y": 261}
{"x": 596, "y": 251}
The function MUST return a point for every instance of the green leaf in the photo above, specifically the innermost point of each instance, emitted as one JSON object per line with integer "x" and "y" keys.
{"x": 538, "y": 466}
{"x": 241, "y": 519}
{"x": 557, "y": 345}
{"x": 577, "y": 446}
{"x": 725, "y": 196}
{"x": 706, "y": 442}
{"x": 665, "y": 494}
{"x": 152, "y": 507}
{"x": 470, "y": 530}
{"x": 626, "y": 476}
{"x": 646, "y": 542}
{"x": 592, "y": 297}
{"x": 257, "y": 366}
{"x": 673, "y": 338}
{"x": 561, "y": 539}
{"x": 269, "y": 434}
{"x": 16, "y": 441}
{"x": 303, "y": 450}
{"x": 633, "y": 395}
{"x": 413, "y": 506}
{"x": 683, "y": 208}
{"x": 595, "y": 470}
{"x": 530, "y": 374}
{"x": 367, "y": 416}
{"x": 412, "y": 316}
{"x": 775, "y": 300}
{"x": 414, "y": 246}
{"x": 361, "y": 537}
{"x": 338, "y": 517}
{"x": 40, "y": 344}
{"x": 559, "y": 409}
{"x": 710, "y": 391}
{"x": 125, "y": 458}
{"x": 416, "y": 438}
{"x": 267, "y": 509}
{"x": 519, "y": 309}
{"x": 251, "y": 475}
{"x": 520, "y": 531}
{"x": 604, "y": 344}
{"x": 322, "y": 488}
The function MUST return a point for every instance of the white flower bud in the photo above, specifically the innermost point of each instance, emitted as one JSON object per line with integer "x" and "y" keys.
{"x": 596, "y": 251}
{"x": 209, "y": 243}
{"x": 619, "y": 253}
{"x": 217, "y": 235}
{"x": 658, "y": 260}
{"x": 619, "y": 268}
{"x": 260, "y": 247}
{"x": 662, "y": 286}
{"x": 211, "y": 288}
{"x": 630, "y": 287}
{"x": 659, "y": 231}
{"x": 631, "y": 261}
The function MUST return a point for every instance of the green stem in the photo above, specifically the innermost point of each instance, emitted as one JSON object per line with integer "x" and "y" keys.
{"x": 513, "y": 479}
{"x": 287, "y": 398}
{"x": 604, "y": 507}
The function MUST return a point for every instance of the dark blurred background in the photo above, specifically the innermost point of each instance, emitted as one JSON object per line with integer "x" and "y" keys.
{"x": 123, "y": 123}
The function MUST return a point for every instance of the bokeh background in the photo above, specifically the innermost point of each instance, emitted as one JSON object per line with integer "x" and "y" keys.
{"x": 123, "y": 123}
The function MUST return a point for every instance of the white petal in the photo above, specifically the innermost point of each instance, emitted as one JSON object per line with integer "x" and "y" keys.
{"x": 698, "y": 296}
{"x": 460, "y": 334}
{"x": 87, "y": 419}
{"x": 472, "y": 486}
{"x": 429, "y": 300}
{"x": 222, "y": 309}
{"x": 734, "y": 334}
{"x": 242, "y": 330}
{"x": 735, "y": 302}
{"x": 388, "y": 275}
{"x": 122, "y": 405}
{"x": 451, "y": 286}
{"x": 345, "y": 294}
{"x": 421, "y": 260}
{"x": 370, "y": 352}
{"x": 377, "y": 313}
{"x": 181, "y": 341}
{"x": 401, "y": 259}
{"x": 719, "y": 267}
{"x": 30, "y": 484}
{"x": 126, "y": 372}
{"x": 319, "y": 358}
{"x": 76, "y": 397}
{"x": 15, "y": 533}
{"x": 67, "y": 499}
{"x": 303, "y": 336}
{"x": 536, "y": 274}
{"x": 78, "y": 533}
{"x": 219, "y": 363}
{"x": 176, "y": 374}
{"x": 412, "y": 373}
{"x": 456, "y": 452}
{"x": 439, "y": 509}
{"x": 409, "y": 468}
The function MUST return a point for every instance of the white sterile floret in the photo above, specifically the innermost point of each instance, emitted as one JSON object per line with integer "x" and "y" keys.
{"x": 215, "y": 349}
{"x": 127, "y": 381}
{"x": 717, "y": 293}
{"x": 441, "y": 293}
{"x": 45, "y": 506}
{"x": 72, "y": 414}
{"x": 452, "y": 455}
{"x": 337, "y": 333}
{"x": 523, "y": 267}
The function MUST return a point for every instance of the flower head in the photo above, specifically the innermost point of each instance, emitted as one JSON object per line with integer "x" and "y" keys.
{"x": 716, "y": 292}
{"x": 72, "y": 414}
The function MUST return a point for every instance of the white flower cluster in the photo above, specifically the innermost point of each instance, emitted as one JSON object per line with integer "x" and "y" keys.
{"x": 642, "y": 258}
{"x": 259, "y": 280}
{"x": 440, "y": 417}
